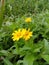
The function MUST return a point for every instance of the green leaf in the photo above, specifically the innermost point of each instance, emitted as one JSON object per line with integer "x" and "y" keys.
{"x": 46, "y": 46}
{"x": 37, "y": 49}
{"x": 46, "y": 43}
{"x": 6, "y": 53}
{"x": 7, "y": 61}
{"x": 19, "y": 62}
{"x": 29, "y": 59}
{"x": 46, "y": 58}
{"x": 3, "y": 52}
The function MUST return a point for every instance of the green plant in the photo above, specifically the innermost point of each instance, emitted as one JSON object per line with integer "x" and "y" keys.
{"x": 33, "y": 51}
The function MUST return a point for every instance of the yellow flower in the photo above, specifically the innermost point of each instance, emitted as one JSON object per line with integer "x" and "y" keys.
{"x": 27, "y": 34}
{"x": 28, "y": 19}
{"x": 17, "y": 35}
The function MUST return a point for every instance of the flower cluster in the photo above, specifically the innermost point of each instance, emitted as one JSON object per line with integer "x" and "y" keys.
{"x": 21, "y": 33}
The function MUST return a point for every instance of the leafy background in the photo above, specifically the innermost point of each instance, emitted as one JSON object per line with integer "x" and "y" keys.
{"x": 12, "y": 15}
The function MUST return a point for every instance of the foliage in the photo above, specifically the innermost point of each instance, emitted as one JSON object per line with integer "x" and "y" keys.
{"x": 21, "y": 7}
{"x": 35, "y": 50}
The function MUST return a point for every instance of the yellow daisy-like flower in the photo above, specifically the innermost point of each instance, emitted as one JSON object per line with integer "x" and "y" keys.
{"x": 17, "y": 35}
{"x": 28, "y": 19}
{"x": 27, "y": 34}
